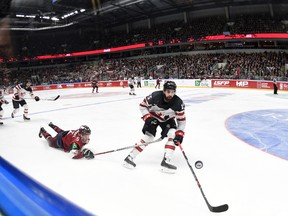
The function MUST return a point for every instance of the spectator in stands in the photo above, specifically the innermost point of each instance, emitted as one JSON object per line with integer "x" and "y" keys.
{"x": 5, "y": 38}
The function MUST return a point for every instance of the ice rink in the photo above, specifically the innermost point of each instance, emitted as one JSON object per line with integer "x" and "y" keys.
{"x": 252, "y": 181}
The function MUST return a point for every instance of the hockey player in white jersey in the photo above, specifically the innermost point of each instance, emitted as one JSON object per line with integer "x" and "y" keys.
{"x": 18, "y": 98}
{"x": 161, "y": 108}
{"x": 2, "y": 101}
{"x": 131, "y": 85}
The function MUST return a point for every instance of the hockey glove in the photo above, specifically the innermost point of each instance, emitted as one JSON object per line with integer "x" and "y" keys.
{"x": 36, "y": 98}
{"x": 16, "y": 96}
{"x": 78, "y": 155}
{"x": 88, "y": 154}
{"x": 178, "y": 137}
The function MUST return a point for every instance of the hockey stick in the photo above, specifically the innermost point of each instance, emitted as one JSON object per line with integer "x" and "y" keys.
{"x": 215, "y": 209}
{"x": 48, "y": 99}
{"x": 144, "y": 144}
{"x": 128, "y": 147}
{"x": 51, "y": 99}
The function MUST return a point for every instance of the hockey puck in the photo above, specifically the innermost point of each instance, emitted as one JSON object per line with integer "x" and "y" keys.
{"x": 198, "y": 164}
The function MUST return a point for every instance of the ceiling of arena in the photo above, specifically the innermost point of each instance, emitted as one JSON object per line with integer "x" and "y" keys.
{"x": 45, "y": 14}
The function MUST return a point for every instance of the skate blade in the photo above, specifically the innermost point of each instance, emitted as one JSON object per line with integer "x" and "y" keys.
{"x": 169, "y": 171}
{"x": 128, "y": 166}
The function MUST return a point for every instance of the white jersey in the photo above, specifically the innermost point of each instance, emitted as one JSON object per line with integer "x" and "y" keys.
{"x": 2, "y": 98}
{"x": 130, "y": 81}
{"x": 20, "y": 91}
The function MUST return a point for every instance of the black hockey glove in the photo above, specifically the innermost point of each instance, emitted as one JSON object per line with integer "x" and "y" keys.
{"x": 88, "y": 154}
{"x": 149, "y": 120}
{"x": 36, "y": 98}
{"x": 178, "y": 137}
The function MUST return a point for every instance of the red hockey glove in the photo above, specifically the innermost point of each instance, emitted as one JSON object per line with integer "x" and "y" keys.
{"x": 16, "y": 96}
{"x": 178, "y": 137}
{"x": 79, "y": 155}
{"x": 147, "y": 116}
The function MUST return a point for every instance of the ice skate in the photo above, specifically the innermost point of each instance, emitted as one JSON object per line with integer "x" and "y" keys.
{"x": 52, "y": 126}
{"x": 12, "y": 115}
{"x": 42, "y": 130}
{"x": 25, "y": 118}
{"x": 167, "y": 167}
{"x": 128, "y": 162}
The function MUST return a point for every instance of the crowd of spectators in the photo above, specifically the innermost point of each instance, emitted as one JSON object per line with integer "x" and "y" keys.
{"x": 29, "y": 45}
{"x": 198, "y": 66}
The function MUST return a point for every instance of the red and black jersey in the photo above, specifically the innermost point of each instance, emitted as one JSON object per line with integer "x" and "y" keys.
{"x": 94, "y": 83}
{"x": 72, "y": 137}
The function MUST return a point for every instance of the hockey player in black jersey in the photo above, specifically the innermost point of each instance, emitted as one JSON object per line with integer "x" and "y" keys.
{"x": 161, "y": 108}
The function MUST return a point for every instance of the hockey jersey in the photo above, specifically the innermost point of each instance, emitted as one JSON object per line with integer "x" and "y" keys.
{"x": 71, "y": 138}
{"x": 20, "y": 91}
{"x": 130, "y": 81}
{"x": 2, "y": 98}
{"x": 163, "y": 111}
{"x": 94, "y": 83}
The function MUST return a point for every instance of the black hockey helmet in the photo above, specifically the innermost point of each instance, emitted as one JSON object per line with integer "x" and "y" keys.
{"x": 84, "y": 129}
{"x": 28, "y": 81}
{"x": 169, "y": 85}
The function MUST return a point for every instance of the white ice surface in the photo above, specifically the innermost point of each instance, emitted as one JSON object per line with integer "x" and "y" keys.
{"x": 250, "y": 181}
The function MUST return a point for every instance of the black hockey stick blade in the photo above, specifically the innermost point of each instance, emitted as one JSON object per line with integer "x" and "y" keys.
{"x": 56, "y": 97}
{"x": 218, "y": 209}
{"x": 52, "y": 99}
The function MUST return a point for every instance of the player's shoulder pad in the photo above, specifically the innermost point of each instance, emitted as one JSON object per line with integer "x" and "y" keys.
{"x": 28, "y": 89}
{"x": 157, "y": 94}
{"x": 178, "y": 104}
{"x": 154, "y": 96}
